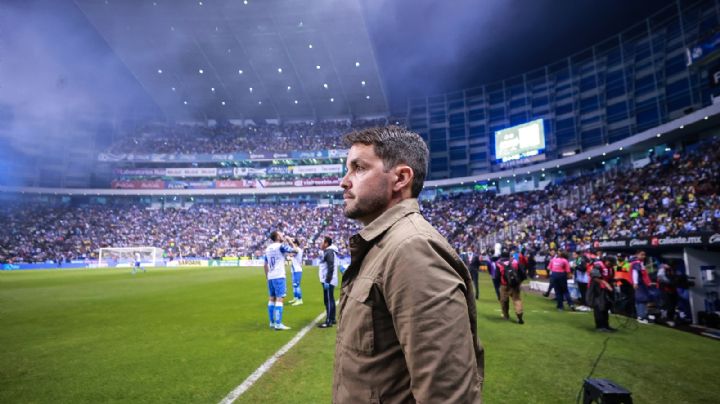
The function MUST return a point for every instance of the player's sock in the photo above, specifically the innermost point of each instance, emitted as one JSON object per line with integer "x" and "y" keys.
{"x": 299, "y": 293}
{"x": 278, "y": 312}
{"x": 271, "y": 312}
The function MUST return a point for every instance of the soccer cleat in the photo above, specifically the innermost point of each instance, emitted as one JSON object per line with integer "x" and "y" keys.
{"x": 281, "y": 327}
{"x": 520, "y": 319}
{"x": 325, "y": 325}
{"x": 293, "y": 301}
{"x": 272, "y": 325}
{"x": 642, "y": 321}
{"x": 297, "y": 302}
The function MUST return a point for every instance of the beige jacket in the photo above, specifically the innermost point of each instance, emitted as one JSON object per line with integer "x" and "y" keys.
{"x": 408, "y": 325}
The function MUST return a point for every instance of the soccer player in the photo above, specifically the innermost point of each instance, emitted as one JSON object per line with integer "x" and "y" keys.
{"x": 296, "y": 266}
{"x": 137, "y": 265}
{"x": 275, "y": 255}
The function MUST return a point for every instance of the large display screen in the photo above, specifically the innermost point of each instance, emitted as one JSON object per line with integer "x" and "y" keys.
{"x": 520, "y": 141}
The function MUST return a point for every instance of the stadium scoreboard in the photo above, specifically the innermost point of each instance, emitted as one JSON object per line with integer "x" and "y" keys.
{"x": 521, "y": 141}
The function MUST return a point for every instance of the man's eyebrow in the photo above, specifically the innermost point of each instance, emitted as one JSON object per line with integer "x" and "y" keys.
{"x": 354, "y": 161}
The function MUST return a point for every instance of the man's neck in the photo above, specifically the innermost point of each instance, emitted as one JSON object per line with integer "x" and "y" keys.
{"x": 393, "y": 201}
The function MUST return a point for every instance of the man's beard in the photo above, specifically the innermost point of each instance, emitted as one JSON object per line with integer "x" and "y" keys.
{"x": 366, "y": 206}
{"x": 373, "y": 204}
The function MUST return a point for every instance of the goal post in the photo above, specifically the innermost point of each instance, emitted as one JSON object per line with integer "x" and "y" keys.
{"x": 124, "y": 257}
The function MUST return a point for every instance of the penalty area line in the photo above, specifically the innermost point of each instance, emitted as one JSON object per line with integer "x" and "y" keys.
{"x": 259, "y": 372}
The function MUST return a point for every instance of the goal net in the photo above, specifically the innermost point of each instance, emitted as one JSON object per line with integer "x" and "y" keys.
{"x": 125, "y": 256}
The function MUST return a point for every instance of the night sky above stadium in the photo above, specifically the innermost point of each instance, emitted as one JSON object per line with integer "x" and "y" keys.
{"x": 423, "y": 47}
{"x": 426, "y": 47}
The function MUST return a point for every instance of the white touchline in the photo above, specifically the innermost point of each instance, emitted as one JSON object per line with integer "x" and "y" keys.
{"x": 257, "y": 374}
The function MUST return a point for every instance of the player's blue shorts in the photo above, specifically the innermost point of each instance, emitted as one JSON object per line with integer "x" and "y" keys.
{"x": 276, "y": 287}
{"x": 137, "y": 264}
{"x": 297, "y": 277}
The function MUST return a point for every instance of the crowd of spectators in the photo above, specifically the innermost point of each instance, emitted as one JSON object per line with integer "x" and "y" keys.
{"x": 230, "y": 138}
{"x": 672, "y": 196}
{"x": 676, "y": 195}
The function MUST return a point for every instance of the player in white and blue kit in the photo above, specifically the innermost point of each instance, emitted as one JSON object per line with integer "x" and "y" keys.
{"x": 296, "y": 266}
{"x": 275, "y": 273}
{"x": 137, "y": 265}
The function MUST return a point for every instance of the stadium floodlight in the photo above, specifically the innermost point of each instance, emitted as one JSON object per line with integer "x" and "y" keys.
{"x": 357, "y": 64}
{"x": 124, "y": 257}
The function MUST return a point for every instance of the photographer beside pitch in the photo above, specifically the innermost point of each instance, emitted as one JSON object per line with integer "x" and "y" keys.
{"x": 407, "y": 320}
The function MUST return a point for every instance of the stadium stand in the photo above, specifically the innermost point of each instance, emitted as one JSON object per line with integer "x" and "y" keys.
{"x": 676, "y": 194}
{"x": 228, "y": 138}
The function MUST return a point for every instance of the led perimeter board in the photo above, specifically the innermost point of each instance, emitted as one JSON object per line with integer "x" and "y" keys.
{"x": 521, "y": 141}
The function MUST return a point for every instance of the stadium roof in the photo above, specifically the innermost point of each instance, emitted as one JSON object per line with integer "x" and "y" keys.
{"x": 238, "y": 59}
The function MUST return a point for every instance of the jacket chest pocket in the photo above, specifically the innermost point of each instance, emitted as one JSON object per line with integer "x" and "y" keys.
{"x": 356, "y": 322}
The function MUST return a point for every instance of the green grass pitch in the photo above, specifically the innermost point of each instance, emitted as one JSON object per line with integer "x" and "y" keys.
{"x": 192, "y": 335}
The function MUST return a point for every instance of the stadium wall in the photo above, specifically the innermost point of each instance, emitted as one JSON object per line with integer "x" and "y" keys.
{"x": 622, "y": 86}
{"x": 512, "y": 179}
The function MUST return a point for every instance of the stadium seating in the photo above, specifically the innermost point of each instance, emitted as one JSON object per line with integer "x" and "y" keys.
{"x": 675, "y": 195}
{"x": 228, "y": 138}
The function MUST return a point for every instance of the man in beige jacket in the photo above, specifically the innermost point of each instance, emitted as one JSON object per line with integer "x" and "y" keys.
{"x": 408, "y": 325}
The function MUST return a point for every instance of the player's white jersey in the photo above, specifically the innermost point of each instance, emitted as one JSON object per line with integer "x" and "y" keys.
{"x": 275, "y": 259}
{"x": 297, "y": 260}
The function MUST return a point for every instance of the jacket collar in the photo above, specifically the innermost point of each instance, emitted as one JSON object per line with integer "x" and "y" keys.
{"x": 388, "y": 218}
{"x": 361, "y": 243}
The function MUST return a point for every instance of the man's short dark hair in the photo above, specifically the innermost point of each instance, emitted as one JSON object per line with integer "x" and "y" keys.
{"x": 396, "y": 145}
{"x": 328, "y": 240}
{"x": 274, "y": 235}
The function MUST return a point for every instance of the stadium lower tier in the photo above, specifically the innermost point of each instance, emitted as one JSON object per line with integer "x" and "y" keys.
{"x": 674, "y": 196}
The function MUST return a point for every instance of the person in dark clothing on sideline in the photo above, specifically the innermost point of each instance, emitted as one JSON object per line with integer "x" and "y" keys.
{"x": 474, "y": 267}
{"x": 599, "y": 295}
{"x": 494, "y": 273}
{"x": 329, "y": 278}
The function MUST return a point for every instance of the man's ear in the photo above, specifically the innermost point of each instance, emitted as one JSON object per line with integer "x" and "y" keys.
{"x": 404, "y": 176}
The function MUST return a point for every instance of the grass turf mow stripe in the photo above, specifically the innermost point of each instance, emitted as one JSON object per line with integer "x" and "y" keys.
{"x": 257, "y": 374}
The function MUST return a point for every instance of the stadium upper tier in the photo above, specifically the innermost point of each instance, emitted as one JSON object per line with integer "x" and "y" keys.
{"x": 229, "y": 138}
{"x": 651, "y": 73}
{"x": 675, "y": 194}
